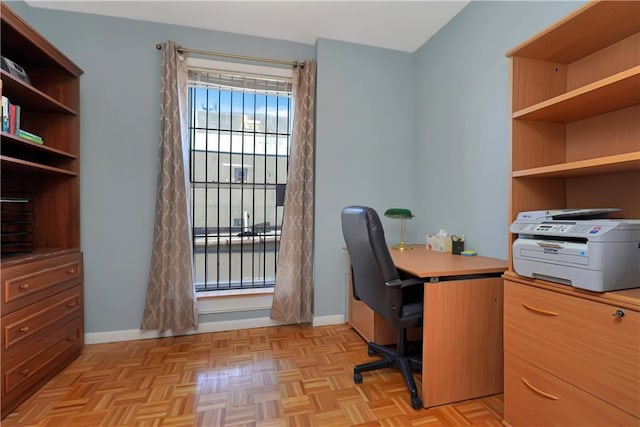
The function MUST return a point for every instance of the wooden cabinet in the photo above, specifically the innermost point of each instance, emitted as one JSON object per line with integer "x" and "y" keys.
{"x": 462, "y": 341}
{"x": 41, "y": 265}
{"x": 42, "y": 321}
{"x": 571, "y": 357}
{"x": 575, "y": 121}
{"x": 534, "y": 397}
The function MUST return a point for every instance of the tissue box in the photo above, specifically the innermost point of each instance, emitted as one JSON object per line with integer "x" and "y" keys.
{"x": 438, "y": 243}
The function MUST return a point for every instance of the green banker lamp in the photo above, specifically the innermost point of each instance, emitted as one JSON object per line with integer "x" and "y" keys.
{"x": 402, "y": 215}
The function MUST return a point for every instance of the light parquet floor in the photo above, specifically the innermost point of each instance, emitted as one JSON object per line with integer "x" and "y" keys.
{"x": 265, "y": 377}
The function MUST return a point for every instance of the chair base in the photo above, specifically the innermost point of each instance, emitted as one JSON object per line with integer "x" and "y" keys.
{"x": 392, "y": 359}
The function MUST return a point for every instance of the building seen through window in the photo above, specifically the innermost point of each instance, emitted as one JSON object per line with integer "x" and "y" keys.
{"x": 240, "y": 144}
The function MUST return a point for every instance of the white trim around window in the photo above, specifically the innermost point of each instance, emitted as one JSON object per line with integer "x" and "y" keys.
{"x": 224, "y": 301}
{"x": 234, "y": 67}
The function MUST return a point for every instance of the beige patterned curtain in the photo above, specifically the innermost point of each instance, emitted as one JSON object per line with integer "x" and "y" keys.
{"x": 293, "y": 294}
{"x": 171, "y": 301}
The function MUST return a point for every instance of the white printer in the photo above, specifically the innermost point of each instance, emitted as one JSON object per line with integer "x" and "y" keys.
{"x": 578, "y": 247}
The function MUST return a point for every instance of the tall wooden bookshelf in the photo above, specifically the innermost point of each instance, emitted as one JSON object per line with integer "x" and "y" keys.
{"x": 575, "y": 92}
{"x": 41, "y": 265}
{"x": 572, "y": 356}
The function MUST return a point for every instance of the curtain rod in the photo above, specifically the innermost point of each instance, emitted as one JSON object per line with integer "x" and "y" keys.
{"x": 234, "y": 56}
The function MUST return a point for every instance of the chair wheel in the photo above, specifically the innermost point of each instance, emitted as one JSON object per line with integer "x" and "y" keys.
{"x": 357, "y": 378}
{"x": 416, "y": 403}
{"x": 370, "y": 352}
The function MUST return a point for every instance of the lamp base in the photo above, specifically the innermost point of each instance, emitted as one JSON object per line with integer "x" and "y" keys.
{"x": 402, "y": 246}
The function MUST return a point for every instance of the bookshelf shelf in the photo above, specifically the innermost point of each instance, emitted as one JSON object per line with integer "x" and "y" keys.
{"x": 581, "y": 33}
{"x": 9, "y": 140}
{"x": 602, "y": 165}
{"x": 13, "y": 164}
{"x": 32, "y": 98}
{"x": 612, "y": 93}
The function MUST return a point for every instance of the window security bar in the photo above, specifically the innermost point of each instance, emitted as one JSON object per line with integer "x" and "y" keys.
{"x": 240, "y": 146}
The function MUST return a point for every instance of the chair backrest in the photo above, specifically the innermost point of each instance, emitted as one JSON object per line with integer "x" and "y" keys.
{"x": 371, "y": 262}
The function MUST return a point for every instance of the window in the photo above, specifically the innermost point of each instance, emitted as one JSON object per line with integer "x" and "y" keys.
{"x": 239, "y": 126}
{"x": 240, "y": 174}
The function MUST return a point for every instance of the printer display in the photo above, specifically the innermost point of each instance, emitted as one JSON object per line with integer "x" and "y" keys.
{"x": 588, "y": 252}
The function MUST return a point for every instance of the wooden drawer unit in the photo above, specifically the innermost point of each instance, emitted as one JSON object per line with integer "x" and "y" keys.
{"x": 42, "y": 322}
{"x": 534, "y": 397}
{"x": 581, "y": 345}
{"x": 28, "y": 324}
{"x": 41, "y": 361}
{"x": 27, "y": 283}
{"x": 577, "y": 339}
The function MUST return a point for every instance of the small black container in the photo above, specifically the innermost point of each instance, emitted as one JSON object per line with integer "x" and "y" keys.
{"x": 457, "y": 246}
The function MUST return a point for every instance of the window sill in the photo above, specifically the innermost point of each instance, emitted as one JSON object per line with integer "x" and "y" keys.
{"x": 234, "y": 293}
{"x": 234, "y": 300}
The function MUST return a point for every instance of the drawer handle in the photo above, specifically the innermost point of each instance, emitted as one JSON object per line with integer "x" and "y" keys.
{"x": 24, "y": 372}
{"x": 539, "y": 310}
{"x": 618, "y": 313}
{"x": 70, "y": 339}
{"x": 537, "y": 390}
{"x": 71, "y": 271}
{"x": 71, "y": 304}
{"x": 24, "y": 329}
{"x": 24, "y": 286}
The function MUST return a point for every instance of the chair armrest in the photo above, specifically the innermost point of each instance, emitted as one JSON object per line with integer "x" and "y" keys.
{"x": 404, "y": 283}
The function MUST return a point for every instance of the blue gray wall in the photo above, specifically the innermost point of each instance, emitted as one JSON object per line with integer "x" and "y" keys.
{"x": 427, "y": 131}
{"x": 364, "y": 138}
{"x": 462, "y": 102}
{"x": 119, "y": 137}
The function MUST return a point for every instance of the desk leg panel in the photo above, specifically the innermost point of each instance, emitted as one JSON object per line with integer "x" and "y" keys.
{"x": 462, "y": 340}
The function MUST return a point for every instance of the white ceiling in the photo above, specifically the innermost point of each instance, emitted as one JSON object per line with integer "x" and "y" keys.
{"x": 399, "y": 25}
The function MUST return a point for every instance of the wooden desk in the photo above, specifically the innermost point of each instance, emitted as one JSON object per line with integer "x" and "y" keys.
{"x": 420, "y": 262}
{"x": 462, "y": 326}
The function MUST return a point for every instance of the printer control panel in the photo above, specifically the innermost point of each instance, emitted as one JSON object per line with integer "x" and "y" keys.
{"x": 559, "y": 228}
{"x": 554, "y": 227}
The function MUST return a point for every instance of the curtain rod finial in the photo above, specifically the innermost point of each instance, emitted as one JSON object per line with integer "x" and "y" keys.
{"x": 158, "y": 46}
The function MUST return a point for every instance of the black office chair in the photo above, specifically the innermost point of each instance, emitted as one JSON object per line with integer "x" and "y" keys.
{"x": 377, "y": 283}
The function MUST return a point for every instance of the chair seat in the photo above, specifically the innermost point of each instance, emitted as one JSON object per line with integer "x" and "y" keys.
{"x": 412, "y": 310}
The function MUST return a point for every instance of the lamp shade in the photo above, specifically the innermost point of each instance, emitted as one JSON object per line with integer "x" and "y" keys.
{"x": 398, "y": 213}
{"x": 402, "y": 214}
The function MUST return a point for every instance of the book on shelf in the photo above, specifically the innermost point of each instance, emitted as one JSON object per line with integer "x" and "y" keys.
{"x": 29, "y": 136}
{"x": 18, "y": 110}
{"x": 10, "y": 116}
{"x": 5, "y": 114}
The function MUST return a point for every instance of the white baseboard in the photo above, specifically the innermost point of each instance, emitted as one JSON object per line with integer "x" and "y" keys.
{"x": 137, "y": 334}
{"x": 334, "y": 319}
{"x": 227, "y": 325}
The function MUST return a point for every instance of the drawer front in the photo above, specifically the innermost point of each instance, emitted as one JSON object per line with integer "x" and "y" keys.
{"x": 578, "y": 340}
{"x": 533, "y": 397}
{"x": 25, "y": 324}
{"x": 59, "y": 346}
{"x": 27, "y": 283}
